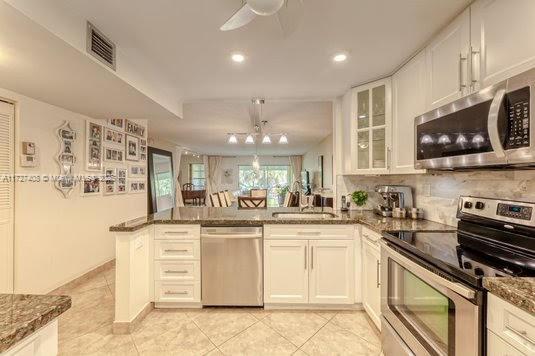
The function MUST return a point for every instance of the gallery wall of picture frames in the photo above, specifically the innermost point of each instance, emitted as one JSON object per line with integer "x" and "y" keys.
{"x": 117, "y": 149}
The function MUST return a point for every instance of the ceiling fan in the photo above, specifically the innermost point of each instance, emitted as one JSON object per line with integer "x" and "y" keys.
{"x": 288, "y": 13}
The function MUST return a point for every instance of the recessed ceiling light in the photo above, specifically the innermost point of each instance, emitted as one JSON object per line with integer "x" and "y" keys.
{"x": 238, "y": 57}
{"x": 340, "y": 57}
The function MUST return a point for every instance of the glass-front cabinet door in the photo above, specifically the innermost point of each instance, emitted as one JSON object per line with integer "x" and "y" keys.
{"x": 370, "y": 125}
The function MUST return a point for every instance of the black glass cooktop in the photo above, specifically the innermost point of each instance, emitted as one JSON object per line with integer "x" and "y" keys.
{"x": 462, "y": 256}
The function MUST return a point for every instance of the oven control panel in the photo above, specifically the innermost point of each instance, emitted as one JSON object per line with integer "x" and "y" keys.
{"x": 518, "y": 121}
{"x": 515, "y": 211}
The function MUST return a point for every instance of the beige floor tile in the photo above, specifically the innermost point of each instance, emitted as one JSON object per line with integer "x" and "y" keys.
{"x": 333, "y": 340}
{"x": 91, "y": 299}
{"x": 180, "y": 337}
{"x": 99, "y": 342}
{"x": 214, "y": 352}
{"x": 326, "y": 314}
{"x": 259, "y": 313}
{"x": 359, "y": 324}
{"x": 297, "y": 327}
{"x": 220, "y": 325}
{"x": 259, "y": 339}
{"x": 109, "y": 275}
{"x": 76, "y": 323}
{"x": 299, "y": 353}
{"x": 90, "y": 283}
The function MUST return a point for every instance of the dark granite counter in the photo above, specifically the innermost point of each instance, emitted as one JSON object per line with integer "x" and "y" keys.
{"x": 515, "y": 290}
{"x": 208, "y": 216}
{"x": 21, "y": 315}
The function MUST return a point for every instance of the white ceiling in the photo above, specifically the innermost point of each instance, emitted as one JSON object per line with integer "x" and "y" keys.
{"x": 206, "y": 124}
{"x": 181, "y": 40}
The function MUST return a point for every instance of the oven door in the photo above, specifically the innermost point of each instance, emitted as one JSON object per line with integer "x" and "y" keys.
{"x": 425, "y": 313}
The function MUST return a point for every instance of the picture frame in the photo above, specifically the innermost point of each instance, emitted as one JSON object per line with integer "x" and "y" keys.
{"x": 132, "y": 148}
{"x": 133, "y": 128}
{"x": 91, "y": 186}
{"x": 120, "y": 183}
{"x": 110, "y": 176}
{"x": 136, "y": 171}
{"x": 112, "y": 154}
{"x": 65, "y": 159}
{"x": 116, "y": 123}
{"x": 93, "y": 146}
{"x": 113, "y": 137}
{"x": 137, "y": 186}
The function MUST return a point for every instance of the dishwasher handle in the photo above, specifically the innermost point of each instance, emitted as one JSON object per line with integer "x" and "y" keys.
{"x": 231, "y": 236}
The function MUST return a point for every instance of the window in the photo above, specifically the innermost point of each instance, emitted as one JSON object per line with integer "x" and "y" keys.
{"x": 268, "y": 177}
{"x": 197, "y": 176}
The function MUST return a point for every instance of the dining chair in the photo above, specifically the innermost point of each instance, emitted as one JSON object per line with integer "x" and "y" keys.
{"x": 258, "y": 193}
{"x": 252, "y": 202}
{"x": 214, "y": 199}
{"x": 187, "y": 186}
{"x": 229, "y": 197}
{"x": 223, "y": 199}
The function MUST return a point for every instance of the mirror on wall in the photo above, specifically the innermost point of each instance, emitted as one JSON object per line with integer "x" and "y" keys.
{"x": 161, "y": 180}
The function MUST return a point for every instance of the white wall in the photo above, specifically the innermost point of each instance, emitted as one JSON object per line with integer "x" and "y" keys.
{"x": 310, "y": 163}
{"x": 58, "y": 239}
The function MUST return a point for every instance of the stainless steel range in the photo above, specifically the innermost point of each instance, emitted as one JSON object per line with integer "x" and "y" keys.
{"x": 433, "y": 301}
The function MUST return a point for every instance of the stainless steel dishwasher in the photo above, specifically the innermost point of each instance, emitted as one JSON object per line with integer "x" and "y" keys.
{"x": 231, "y": 266}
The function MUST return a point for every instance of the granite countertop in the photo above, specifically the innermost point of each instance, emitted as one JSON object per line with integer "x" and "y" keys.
{"x": 519, "y": 291}
{"x": 209, "y": 216}
{"x": 22, "y": 314}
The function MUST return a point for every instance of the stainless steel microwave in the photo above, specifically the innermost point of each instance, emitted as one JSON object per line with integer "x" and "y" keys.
{"x": 491, "y": 128}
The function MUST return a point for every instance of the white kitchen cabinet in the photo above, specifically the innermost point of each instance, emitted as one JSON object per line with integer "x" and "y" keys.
{"x": 43, "y": 342}
{"x": 286, "y": 271}
{"x": 502, "y": 40}
{"x": 408, "y": 101}
{"x": 331, "y": 274}
{"x": 371, "y": 268}
{"x": 309, "y": 264}
{"x": 511, "y": 326}
{"x": 371, "y": 119}
{"x": 447, "y": 62}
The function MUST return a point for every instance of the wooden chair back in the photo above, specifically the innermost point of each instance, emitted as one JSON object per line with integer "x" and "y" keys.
{"x": 214, "y": 200}
{"x": 252, "y": 202}
{"x": 187, "y": 186}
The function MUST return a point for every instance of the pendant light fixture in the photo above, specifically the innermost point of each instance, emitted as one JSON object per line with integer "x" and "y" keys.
{"x": 232, "y": 139}
{"x": 283, "y": 140}
{"x": 266, "y": 140}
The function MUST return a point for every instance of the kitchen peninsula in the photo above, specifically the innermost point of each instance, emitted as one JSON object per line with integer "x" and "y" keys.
{"x": 159, "y": 258}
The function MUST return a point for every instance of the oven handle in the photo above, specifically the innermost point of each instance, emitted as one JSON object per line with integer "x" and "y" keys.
{"x": 492, "y": 123}
{"x": 419, "y": 270}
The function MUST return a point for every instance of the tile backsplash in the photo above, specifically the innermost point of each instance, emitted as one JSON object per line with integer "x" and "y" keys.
{"x": 438, "y": 193}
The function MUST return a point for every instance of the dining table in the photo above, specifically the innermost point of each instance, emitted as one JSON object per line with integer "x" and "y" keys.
{"x": 198, "y": 197}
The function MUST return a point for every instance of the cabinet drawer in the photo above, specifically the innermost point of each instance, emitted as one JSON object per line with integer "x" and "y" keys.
{"x": 309, "y": 232}
{"x": 177, "y": 271}
{"x": 512, "y": 324}
{"x": 177, "y": 250}
{"x": 177, "y": 232}
{"x": 177, "y": 291}
{"x": 497, "y": 347}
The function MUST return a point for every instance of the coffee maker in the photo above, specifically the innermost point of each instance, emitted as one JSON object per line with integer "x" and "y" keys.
{"x": 394, "y": 196}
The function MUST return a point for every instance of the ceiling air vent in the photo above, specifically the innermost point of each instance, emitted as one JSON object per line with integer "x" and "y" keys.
{"x": 100, "y": 47}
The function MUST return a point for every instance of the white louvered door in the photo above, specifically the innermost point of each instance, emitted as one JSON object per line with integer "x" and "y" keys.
{"x": 7, "y": 123}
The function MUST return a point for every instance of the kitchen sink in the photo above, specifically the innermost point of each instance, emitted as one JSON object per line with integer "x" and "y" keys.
{"x": 304, "y": 215}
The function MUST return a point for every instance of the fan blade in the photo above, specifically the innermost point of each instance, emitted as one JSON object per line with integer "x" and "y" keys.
{"x": 290, "y": 16}
{"x": 240, "y": 18}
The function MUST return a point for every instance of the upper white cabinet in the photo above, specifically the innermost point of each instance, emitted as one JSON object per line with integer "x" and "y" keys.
{"x": 371, "y": 113}
{"x": 408, "y": 101}
{"x": 503, "y": 40}
{"x": 447, "y": 62}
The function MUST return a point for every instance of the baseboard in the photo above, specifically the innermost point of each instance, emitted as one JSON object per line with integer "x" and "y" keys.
{"x": 126, "y": 327}
{"x": 84, "y": 277}
{"x": 275, "y": 306}
{"x": 167, "y": 305}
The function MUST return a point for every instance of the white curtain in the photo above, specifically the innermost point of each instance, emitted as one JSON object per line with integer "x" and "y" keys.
{"x": 297, "y": 165}
{"x": 214, "y": 172}
{"x": 207, "y": 180}
{"x": 177, "y": 157}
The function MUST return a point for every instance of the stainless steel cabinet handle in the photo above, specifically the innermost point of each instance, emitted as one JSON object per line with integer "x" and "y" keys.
{"x": 462, "y": 85}
{"x": 169, "y": 271}
{"x": 473, "y": 75}
{"x": 523, "y": 334}
{"x": 388, "y": 157}
{"x": 306, "y": 253}
{"x": 309, "y": 233}
{"x": 377, "y": 273}
{"x": 175, "y": 293}
{"x": 176, "y": 232}
{"x": 171, "y": 250}
{"x": 312, "y": 257}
